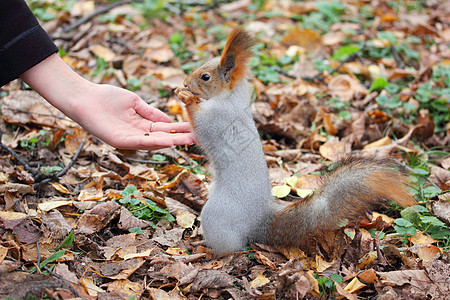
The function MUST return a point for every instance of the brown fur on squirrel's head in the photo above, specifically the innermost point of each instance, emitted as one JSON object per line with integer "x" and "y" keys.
{"x": 223, "y": 72}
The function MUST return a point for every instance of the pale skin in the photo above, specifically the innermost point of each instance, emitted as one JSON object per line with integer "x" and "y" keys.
{"x": 115, "y": 115}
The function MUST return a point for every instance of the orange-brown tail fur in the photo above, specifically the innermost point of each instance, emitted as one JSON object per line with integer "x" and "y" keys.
{"x": 352, "y": 188}
{"x": 239, "y": 44}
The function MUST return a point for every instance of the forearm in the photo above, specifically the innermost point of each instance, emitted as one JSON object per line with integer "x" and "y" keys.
{"x": 62, "y": 87}
{"x": 115, "y": 115}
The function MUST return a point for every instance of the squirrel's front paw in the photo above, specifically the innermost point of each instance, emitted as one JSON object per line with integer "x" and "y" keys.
{"x": 186, "y": 96}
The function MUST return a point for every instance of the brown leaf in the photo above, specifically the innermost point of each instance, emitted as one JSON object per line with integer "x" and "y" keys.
{"x": 73, "y": 141}
{"x": 24, "y": 107}
{"x": 122, "y": 269}
{"x": 346, "y": 88}
{"x": 159, "y": 294}
{"x": 24, "y": 230}
{"x": 439, "y": 271}
{"x": 306, "y": 38}
{"x": 440, "y": 177}
{"x": 127, "y": 220}
{"x": 102, "y": 52}
{"x": 417, "y": 279}
{"x": 368, "y": 276}
{"x": 334, "y": 149}
{"x": 327, "y": 123}
{"x": 428, "y": 253}
{"x": 211, "y": 279}
{"x": 441, "y": 209}
{"x": 97, "y": 218}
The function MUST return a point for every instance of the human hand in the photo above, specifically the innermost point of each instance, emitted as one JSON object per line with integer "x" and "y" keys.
{"x": 123, "y": 120}
{"x": 115, "y": 115}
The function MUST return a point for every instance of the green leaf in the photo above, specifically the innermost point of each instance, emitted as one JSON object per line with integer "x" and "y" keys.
{"x": 400, "y": 229}
{"x": 421, "y": 170}
{"x": 344, "y": 52}
{"x": 378, "y": 84}
{"x": 68, "y": 241}
{"x": 411, "y": 230}
{"x": 51, "y": 258}
{"x": 413, "y": 213}
{"x": 423, "y": 93}
{"x": 392, "y": 88}
{"x": 137, "y": 230}
{"x": 391, "y": 103}
{"x": 431, "y": 191}
{"x": 345, "y": 115}
{"x": 441, "y": 105}
{"x": 50, "y": 170}
{"x": 387, "y": 35}
{"x": 432, "y": 220}
{"x": 159, "y": 157}
{"x": 402, "y": 222}
{"x": 336, "y": 278}
{"x": 130, "y": 190}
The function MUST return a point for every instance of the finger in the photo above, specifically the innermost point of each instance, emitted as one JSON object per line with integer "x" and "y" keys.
{"x": 151, "y": 113}
{"x": 152, "y": 141}
{"x": 170, "y": 127}
{"x": 158, "y": 140}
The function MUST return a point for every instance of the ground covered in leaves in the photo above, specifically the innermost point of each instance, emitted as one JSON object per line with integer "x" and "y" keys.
{"x": 81, "y": 219}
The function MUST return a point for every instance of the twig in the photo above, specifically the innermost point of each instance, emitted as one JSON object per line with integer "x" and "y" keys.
{"x": 17, "y": 157}
{"x": 39, "y": 177}
{"x": 38, "y": 268}
{"x": 60, "y": 279}
{"x": 397, "y": 58}
{"x": 211, "y": 5}
{"x": 63, "y": 171}
{"x": 96, "y": 13}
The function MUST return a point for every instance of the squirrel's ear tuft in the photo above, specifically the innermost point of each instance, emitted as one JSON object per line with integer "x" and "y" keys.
{"x": 233, "y": 62}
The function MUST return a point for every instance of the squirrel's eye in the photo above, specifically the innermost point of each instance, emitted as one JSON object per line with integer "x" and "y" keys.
{"x": 205, "y": 77}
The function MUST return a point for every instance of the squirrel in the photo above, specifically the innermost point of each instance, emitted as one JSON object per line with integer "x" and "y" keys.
{"x": 241, "y": 208}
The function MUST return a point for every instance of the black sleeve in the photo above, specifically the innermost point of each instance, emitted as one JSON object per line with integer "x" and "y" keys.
{"x": 23, "y": 42}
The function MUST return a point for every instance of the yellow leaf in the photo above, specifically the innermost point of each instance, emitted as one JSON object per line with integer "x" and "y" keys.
{"x": 260, "y": 280}
{"x": 49, "y": 205}
{"x": 304, "y": 192}
{"x": 140, "y": 254}
{"x": 9, "y": 215}
{"x": 419, "y": 239}
{"x": 60, "y": 188}
{"x": 381, "y": 142}
{"x": 354, "y": 285}
{"x": 385, "y": 218}
{"x": 185, "y": 219}
{"x": 322, "y": 265}
{"x": 281, "y": 191}
{"x": 90, "y": 287}
{"x": 176, "y": 251}
{"x": 292, "y": 181}
{"x": 3, "y": 252}
{"x": 367, "y": 259}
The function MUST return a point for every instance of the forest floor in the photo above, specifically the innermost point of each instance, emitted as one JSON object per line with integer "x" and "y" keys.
{"x": 330, "y": 78}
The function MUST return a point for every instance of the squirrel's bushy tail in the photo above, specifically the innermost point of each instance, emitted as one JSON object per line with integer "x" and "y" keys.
{"x": 355, "y": 185}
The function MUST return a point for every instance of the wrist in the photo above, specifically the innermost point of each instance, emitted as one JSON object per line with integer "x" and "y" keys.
{"x": 61, "y": 86}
